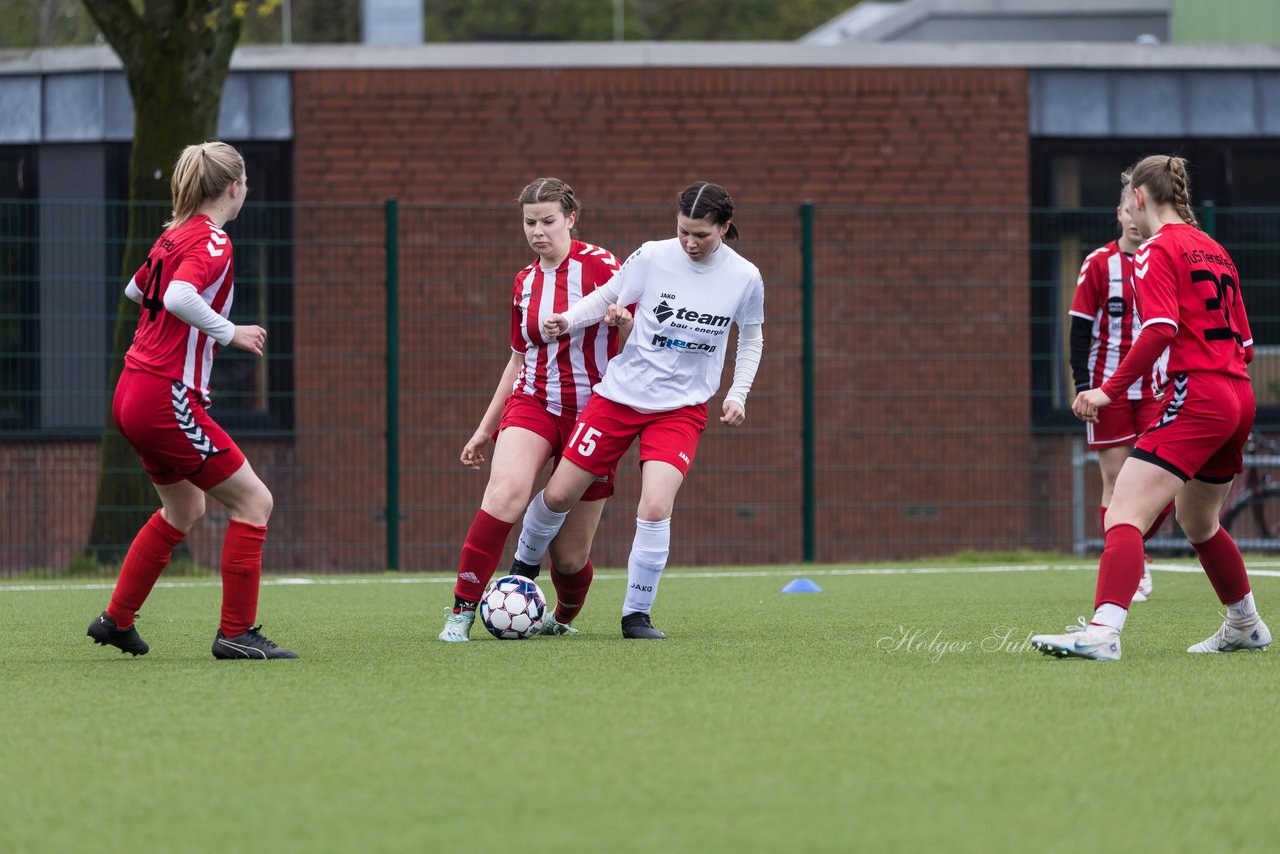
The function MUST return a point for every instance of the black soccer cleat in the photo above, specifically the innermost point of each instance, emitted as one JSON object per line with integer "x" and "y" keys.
{"x": 103, "y": 631}
{"x": 251, "y": 644}
{"x": 637, "y": 625}
{"x": 528, "y": 570}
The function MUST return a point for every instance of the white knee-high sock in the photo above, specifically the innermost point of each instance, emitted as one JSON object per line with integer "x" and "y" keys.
{"x": 541, "y": 525}
{"x": 648, "y": 557}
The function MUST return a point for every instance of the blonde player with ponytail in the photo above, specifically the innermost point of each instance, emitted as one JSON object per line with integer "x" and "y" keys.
{"x": 1188, "y": 294}
{"x": 185, "y": 291}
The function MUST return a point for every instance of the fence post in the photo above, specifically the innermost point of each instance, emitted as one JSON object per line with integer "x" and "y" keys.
{"x": 393, "y": 385}
{"x": 1207, "y": 217}
{"x": 807, "y": 367}
{"x": 1079, "y": 545}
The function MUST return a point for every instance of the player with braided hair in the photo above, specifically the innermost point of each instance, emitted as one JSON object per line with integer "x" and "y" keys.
{"x": 1188, "y": 292}
{"x": 1104, "y": 325}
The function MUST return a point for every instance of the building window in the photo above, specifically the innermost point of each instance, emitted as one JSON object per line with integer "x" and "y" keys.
{"x": 61, "y": 267}
{"x": 19, "y": 289}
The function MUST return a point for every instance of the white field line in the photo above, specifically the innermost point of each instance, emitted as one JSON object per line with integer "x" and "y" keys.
{"x": 1258, "y": 569}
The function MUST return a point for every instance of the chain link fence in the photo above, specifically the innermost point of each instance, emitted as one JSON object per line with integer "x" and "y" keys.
{"x": 913, "y": 398}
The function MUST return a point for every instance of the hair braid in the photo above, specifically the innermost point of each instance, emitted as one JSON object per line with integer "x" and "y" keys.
{"x": 1182, "y": 191}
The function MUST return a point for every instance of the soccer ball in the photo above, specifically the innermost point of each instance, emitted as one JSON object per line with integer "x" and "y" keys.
{"x": 513, "y": 608}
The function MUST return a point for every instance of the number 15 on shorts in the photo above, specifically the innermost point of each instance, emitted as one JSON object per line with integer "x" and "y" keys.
{"x": 584, "y": 438}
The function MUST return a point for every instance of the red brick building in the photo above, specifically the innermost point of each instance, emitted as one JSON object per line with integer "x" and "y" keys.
{"x": 921, "y": 174}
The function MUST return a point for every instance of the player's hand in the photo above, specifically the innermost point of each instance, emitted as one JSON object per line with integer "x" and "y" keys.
{"x": 618, "y": 316}
{"x": 733, "y": 414}
{"x": 251, "y": 338}
{"x": 473, "y": 454}
{"x": 554, "y": 326}
{"x": 1087, "y": 404}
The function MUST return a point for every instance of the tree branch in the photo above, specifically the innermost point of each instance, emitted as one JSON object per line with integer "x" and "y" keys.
{"x": 120, "y": 23}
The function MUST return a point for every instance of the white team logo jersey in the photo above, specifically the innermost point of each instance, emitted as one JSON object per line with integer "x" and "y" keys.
{"x": 684, "y": 311}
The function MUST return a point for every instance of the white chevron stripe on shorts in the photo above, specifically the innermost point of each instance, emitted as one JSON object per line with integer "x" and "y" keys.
{"x": 187, "y": 422}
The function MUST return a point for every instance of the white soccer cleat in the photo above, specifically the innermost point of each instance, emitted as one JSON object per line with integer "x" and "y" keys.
{"x": 457, "y": 627}
{"x": 1100, "y": 643}
{"x": 1144, "y": 586}
{"x": 552, "y": 626}
{"x": 1253, "y": 636}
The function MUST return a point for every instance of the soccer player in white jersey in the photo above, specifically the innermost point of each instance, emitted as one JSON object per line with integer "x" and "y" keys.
{"x": 544, "y": 386}
{"x": 1104, "y": 324}
{"x": 687, "y": 291}
{"x": 185, "y": 291}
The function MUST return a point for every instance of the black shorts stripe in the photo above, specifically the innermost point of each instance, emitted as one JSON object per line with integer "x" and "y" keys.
{"x": 1219, "y": 480}
{"x": 1147, "y": 456}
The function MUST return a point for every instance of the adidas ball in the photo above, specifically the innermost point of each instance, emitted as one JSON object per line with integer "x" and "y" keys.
{"x": 513, "y": 608}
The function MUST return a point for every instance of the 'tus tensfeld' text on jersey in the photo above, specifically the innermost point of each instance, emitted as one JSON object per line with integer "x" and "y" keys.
{"x": 1185, "y": 279}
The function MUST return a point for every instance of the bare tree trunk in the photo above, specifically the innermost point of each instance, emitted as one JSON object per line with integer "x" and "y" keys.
{"x": 176, "y": 54}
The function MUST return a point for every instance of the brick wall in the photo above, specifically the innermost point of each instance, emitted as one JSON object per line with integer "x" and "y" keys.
{"x": 922, "y": 398}
{"x": 921, "y": 267}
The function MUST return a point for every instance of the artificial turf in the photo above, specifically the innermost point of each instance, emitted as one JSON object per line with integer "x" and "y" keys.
{"x": 898, "y": 711}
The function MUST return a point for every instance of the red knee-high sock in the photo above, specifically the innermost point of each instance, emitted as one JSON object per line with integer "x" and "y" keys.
{"x": 571, "y": 591}
{"x": 1155, "y": 526}
{"x": 241, "y": 573}
{"x": 481, "y": 552}
{"x": 1102, "y": 519}
{"x": 1220, "y": 557}
{"x": 1120, "y": 570}
{"x": 148, "y": 556}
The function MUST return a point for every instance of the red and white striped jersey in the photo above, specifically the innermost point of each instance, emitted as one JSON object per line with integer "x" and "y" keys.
{"x": 561, "y": 373}
{"x": 199, "y": 253}
{"x": 1105, "y": 296}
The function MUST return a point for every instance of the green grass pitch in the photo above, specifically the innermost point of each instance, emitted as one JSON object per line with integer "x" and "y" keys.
{"x": 896, "y": 711}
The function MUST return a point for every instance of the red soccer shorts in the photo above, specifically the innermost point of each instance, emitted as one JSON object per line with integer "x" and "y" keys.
{"x": 169, "y": 428}
{"x": 1203, "y": 428}
{"x": 1121, "y": 422}
{"x": 605, "y": 430}
{"x": 526, "y": 412}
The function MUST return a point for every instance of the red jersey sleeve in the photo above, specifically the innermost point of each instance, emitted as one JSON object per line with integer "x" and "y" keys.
{"x": 1091, "y": 286}
{"x": 205, "y": 261}
{"x": 517, "y": 332}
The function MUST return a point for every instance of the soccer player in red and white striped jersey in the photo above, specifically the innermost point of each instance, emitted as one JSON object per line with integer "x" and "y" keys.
{"x": 688, "y": 292}
{"x": 1104, "y": 322}
{"x": 1189, "y": 297}
{"x": 543, "y": 388}
{"x": 185, "y": 292}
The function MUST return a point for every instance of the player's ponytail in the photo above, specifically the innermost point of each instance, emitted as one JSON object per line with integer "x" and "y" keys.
{"x": 541, "y": 190}
{"x": 704, "y": 200}
{"x": 203, "y": 172}
{"x": 1164, "y": 178}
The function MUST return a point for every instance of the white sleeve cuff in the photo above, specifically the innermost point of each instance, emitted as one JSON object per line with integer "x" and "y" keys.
{"x": 746, "y": 363}
{"x": 132, "y": 292}
{"x": 592, "y": 308}
{"x": 183, "y": 301}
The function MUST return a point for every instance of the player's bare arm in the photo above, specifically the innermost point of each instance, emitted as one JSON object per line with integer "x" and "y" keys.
{"x": 473, "y": 452}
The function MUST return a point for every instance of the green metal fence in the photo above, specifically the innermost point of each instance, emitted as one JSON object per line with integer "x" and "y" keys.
{"x": 912, "y": 399}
